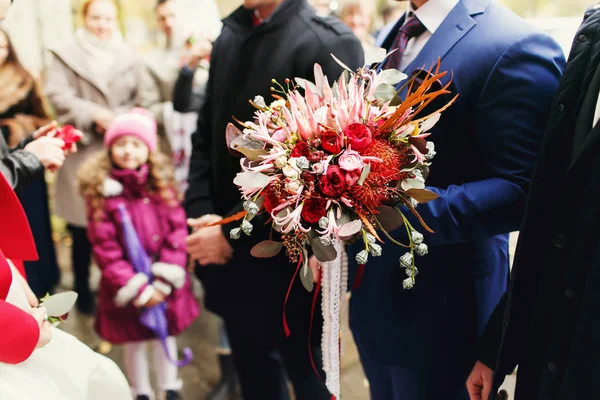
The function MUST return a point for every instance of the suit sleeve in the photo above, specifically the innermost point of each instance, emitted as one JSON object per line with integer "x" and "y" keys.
{"x": 20, "y": 334}
{"x": 122, "y": 281}
{"x": 198, "y": 197}
{"x": 511, "y": 116}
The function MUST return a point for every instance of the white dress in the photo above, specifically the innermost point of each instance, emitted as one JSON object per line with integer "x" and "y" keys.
{"x": 65, "y": 369}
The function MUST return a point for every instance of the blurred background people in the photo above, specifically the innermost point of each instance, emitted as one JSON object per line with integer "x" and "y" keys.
{"x": 22, "y": 111}
{"x": 91, "y": 79}
{"x": 359, "y": 16}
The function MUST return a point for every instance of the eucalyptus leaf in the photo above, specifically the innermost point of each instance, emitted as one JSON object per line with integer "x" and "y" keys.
{"x": 392, "y": 77}
{"x": 374, "y": 55}
{"x": 60, "y": 303}
{"x": 396, "y": 101}
{"x": 251, "y": 180}
{"x": 430, "y": 122}
{"x": 249, "y": 148}
{"x": 323, "y": 253}
{"x": 266, "y": 249}
{"x": 422, "y": 195}
{"x": 389, "y": 218}
{"x": 365, "y": 172}
{"x": 350, "y": 229}
{"x": 409, "y": 184}
{"x": 384, "y": 92}
{"x": 306, "y": 275}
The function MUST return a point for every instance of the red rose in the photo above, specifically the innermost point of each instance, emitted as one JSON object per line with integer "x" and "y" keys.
{"x": 313, "y": 210}
{"x": 300, "y": 150}
{"x": 331, "y": 142}
{"x": 316, "y": 156}
{"x": 333, "y": 183}
{"x": 359, "y": 136}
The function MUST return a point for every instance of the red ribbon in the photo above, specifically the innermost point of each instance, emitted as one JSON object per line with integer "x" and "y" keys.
{"x": 312, "y": 317}
{"x": 286, "y": 327}
{"x": 359, "y": 275}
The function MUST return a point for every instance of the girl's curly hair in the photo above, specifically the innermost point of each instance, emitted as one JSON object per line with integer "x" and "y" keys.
{"x": 161, "y": 180}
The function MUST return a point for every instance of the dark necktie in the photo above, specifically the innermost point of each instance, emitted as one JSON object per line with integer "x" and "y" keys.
{"x": 412, "y": 28}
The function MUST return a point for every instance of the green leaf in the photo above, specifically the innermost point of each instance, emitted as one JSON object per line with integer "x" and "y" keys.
{"x": 392, "y": 77}
{"x": 322, "y": 252}
{"x": 384, "y": 92}
{"x": 350, "y": 229}
{"x": 306, "y": 275}
{"x": 251, "y": 179}
{"x": 60, "y": 303}
{"x": 266, "y": 249}
{"x": 365, "y": 172}
{"x": 389, "y": 218}
{"x": 248, "y": 148}
{"x": 422, "y": 195}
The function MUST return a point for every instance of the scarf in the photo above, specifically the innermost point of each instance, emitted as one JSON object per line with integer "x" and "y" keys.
{"x": 102, "y": 53}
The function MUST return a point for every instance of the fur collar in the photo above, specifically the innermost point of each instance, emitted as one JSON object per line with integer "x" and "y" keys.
{"x": 111, "y": 188}
{"x": 15, "y": 85}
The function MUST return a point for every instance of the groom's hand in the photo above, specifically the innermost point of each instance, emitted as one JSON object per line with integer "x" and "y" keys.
{"x": 207, "y": 245}
{"x": 479, "y": 383}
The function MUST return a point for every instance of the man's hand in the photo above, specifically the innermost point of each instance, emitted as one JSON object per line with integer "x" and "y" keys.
{"x": 103, "y": 119}
{"x": 45, "y": 332}
{"x": 479, "y": 383}
{"x": 157, "y": 298}
{"x": 48, "y": 150}
{"x": 315, "y": 266}
{"x": 207, "y": 245}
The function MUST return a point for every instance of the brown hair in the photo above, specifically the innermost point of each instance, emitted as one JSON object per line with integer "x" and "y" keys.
{"x": 88, "y": 4}
{"x": 91, "y": 176}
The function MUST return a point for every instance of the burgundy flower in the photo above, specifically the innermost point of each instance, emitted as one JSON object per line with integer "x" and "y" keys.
{"x": 333, "y": 183}
{"x": 316, "y": 156}
{"x": 331, "y": 142}
{"x": 307, "y": 177}
{"x": 359, "y": 136}
{"x": 313, "y": 210}
{"x": 300, "y": 150}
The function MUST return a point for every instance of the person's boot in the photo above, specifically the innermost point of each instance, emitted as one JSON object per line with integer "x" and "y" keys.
{"x": 226, "y": 388}
{"x": 172, "y": 395}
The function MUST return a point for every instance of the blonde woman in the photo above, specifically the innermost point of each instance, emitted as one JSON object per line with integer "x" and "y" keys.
{"x": 91, "y": 80}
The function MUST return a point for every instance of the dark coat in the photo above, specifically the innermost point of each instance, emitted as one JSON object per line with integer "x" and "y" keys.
{"x": 18, "y": 166}
{"x": 549, "y": 323}
{"x": 243, "y": 63}
{"x": 506, "y": 74}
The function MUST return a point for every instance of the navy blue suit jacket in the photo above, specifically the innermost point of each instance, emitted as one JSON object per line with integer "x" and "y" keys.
{"x": 506, "y": 74}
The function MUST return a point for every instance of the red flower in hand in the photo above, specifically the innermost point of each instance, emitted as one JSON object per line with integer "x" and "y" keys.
{"x": 333, "y": 183}
{"x": 300, "y": 150}
{"x": 69, "y": 135}
{"x": 359, "y": 136}
{"x": 331, "y": 142}
{"x": 313, "y": 210}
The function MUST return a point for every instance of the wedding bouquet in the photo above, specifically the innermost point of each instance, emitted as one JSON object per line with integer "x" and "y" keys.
{"x": 331, "y": 164}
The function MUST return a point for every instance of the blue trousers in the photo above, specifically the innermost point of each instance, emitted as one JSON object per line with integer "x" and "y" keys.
{"x": 432, "y": 379}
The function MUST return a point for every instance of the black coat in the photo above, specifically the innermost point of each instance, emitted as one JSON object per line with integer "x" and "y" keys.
{"x": 244, "y": 61}
{"x": 19, "y": 167}
{"x": 549, "y": 323}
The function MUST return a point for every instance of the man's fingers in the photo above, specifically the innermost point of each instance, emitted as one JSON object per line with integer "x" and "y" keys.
{"x": 45, "y": 130}
{"x": 485, "y": 392}
{"x": 197, "y": 223}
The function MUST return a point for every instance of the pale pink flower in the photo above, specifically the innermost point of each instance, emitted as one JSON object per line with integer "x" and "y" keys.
{"x": 350, "y": 160}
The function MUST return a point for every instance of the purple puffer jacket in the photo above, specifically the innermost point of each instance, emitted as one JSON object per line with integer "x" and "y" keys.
{"x": 162, "y": 230}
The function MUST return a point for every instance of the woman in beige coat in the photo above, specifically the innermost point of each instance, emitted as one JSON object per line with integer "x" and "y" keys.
{"x": 90, "y": 81}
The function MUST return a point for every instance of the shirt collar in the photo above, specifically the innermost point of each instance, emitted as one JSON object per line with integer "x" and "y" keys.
{"x": 432, "y": 13}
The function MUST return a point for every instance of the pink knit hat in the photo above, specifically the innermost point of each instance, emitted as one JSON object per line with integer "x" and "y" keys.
{"x": 139, "y": 122}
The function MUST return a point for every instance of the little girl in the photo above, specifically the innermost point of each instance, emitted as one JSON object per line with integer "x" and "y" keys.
{"x": 133, "y": 176}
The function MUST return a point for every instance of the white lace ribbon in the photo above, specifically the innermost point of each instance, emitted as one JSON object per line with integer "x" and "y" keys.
{"x": 334, "y": 281}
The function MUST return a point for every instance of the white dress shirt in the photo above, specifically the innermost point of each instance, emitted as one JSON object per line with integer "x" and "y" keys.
{"x": 431, "y": 15}
{"x": 597, "y": 113}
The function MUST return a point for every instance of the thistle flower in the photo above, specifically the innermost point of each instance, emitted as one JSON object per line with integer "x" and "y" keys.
{"x": 421, "y": 249}
{"x": 362, "y": 257}
{"x": 406, "y": 260}
{"x": 247, "y": 227}
{"x": 431, "y": 151}
{"x": 417, "y": 237}
{"x": 323, "y": 222}
{"x": 412, "y": 272}
{"x": 408, "y": 284}
{"x": 375, "y": 250}
{"x": 251, "y": 208}
{"x": 235, "y": 233}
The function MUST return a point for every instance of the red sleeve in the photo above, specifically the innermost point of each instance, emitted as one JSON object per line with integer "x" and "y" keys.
{"x": 20, "y": 334}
